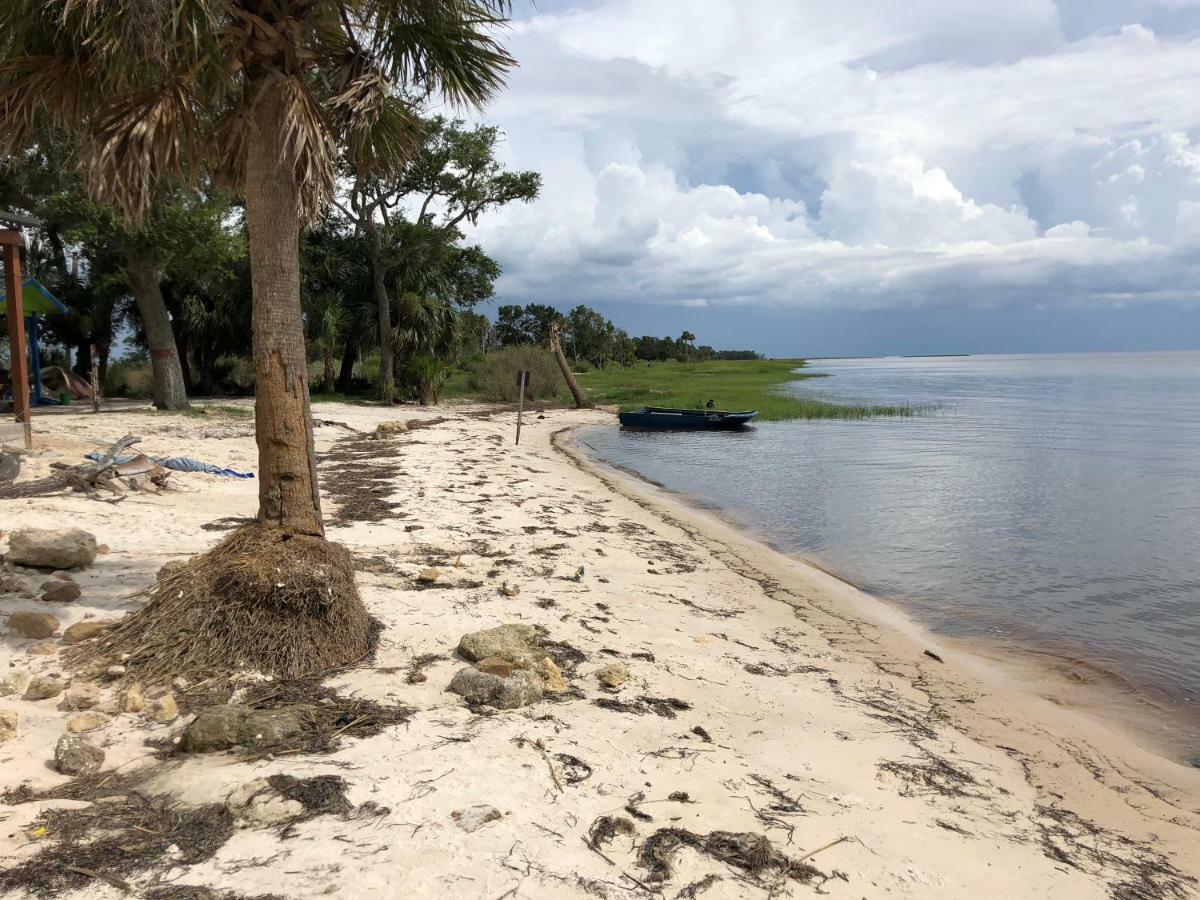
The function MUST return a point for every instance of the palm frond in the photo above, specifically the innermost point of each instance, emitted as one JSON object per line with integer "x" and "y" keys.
{"x": 306, "y": 142}
{"x": 380, "y": 129}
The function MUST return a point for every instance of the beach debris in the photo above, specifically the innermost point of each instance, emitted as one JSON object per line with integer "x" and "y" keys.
{"x": 667, "y": 707}
{"x": 515, "y": 642}
{"x": 139, "y": 464}
{"x": 605, "y": 828}
{"x": 61, "y": 592}
{"x": 74, "y": 754}
{"x": 8, "y": 724}
{"x": 392, "y": 426}
{"x": 428, "y": 576}
{"x": 162, "y": 708}
{"x": 88, "y": 720}
{"x": 701, "y": 732}
{"x": 32, "y": 624}
{"x": 475, "y": 817}
{"x": 80, "y": 695}
{"x": 551, "y": 675}
{"x": 574, "y": 769}
{"x": 934, "y": 656}
{"x": 257, "y": 802}
{"x": 752, "y": 853}
{"x": 521, "y": 688}
{"x": 51, "y": 548}
{"x": 83, "y": 631}
{"x": 43, "y": 687}
{"x": 15, "y": 682}
{"x": 265, "y": 599}
{"x": 509, "y": 590}
{"x": 613, "y": 675}
{"x": 225, "y": 727}
{"x": 134, "y": 698}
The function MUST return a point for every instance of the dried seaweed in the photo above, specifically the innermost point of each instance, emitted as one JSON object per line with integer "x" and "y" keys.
{"x": 667, "y": 707}
{"x": 752, "y": 854}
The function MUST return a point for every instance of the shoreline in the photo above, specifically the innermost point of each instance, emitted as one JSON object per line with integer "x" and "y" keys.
{"x": 1044, "y": 672}
{"x": 1016, "y": 677}
{"x": 760, "y": 703}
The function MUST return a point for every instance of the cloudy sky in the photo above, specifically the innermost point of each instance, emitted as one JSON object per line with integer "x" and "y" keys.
{"x": 861, "y": 177}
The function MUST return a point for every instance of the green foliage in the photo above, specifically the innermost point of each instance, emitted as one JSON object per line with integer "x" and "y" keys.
{"x": 730, "y": 384}
{"x": 494, "y": 377}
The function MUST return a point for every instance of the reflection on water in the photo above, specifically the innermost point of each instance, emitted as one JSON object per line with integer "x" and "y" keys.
{"x": 1052, "y": 501}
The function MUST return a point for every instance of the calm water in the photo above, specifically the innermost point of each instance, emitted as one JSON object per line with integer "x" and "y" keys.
{"x": 1053, "y": 502}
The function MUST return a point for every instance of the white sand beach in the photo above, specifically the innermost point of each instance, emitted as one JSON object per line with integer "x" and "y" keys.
{"x": 764, "y": 696}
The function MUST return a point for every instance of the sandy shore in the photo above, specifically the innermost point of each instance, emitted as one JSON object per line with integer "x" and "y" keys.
{"x": 765, "y": 696}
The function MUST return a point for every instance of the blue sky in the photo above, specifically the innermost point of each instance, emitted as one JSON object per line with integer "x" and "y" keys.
{"x": 871, "y": 176}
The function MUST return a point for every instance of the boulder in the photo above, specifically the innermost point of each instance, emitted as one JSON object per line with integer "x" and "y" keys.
{"x": 74, "y": 754}
{"x": 521, "y": 688}
{"x": 515, "y": 642}
{"x": 162, "y": 709}
{"x": 613, "y": 675}
{"x": 82, "y": 631}
{"x": 32, "y": 624}
{"x": 134, "y": 698}
{"x": 551, "y": 675}
{"x": 475, "y": 817}
{"x": 61, "y": 592}
{"x": 52, "y": 548}
{"x": 8, "y": 724}
{"x": 428, "y": 576}
{"x": 80, "y": 695}
{"x": 14, "y": 682}
{"x": 395, "y": 426}
{"x": 43, "y": 687}
{"x": 257, "y": 803}
{"x": 224, "y": 727}
{"x": 89, "y": 720}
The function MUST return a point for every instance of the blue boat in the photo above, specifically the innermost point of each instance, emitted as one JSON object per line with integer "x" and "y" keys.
{"x": 698, "y": 419}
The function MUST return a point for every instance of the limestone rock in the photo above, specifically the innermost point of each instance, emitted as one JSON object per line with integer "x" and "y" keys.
{"x": 551, "y": 675}
{"x": 162, "y": 709}
{"x": 395, "y": 426}
{"x": 8, "y": 724}
{"x": 134, "y": 699}
{"x": 52, "y": 548}
{"x": 428, "y": 576}
{"x": 74, "y": 754}
{"x": 521, "y": 688}
{"x": 89, "y": 720}
{"x": 515, "y": 642}
{"x": 32, "y": 624}
{"x": 613, "y": 675}
{"x": 475, "y": 817}
{"x": 14, "y": 682}
{"x": 257, "y": 803}
{"x": 61, "y": 592}
{"x": 43, "y": 687}
{"x": 13, "y": 584}
{"x": 495, "y": 665}
{"x": 80, "y": 695}
{"x": 224, "y": 727}
{"x": 82, "y": 631}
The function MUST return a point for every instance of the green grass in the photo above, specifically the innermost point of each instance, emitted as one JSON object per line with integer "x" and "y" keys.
{"x": 730, "y": 384}
{"x": 199, "y": 411}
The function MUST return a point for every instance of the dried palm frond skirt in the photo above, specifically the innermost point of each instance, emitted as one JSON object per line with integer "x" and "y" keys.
{"x": 264, "y": 599}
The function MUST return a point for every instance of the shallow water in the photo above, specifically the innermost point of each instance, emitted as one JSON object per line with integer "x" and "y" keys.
{"x": 1051, "y": 502}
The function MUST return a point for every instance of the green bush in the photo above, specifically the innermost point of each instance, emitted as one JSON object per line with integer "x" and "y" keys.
{"x": 494, "y": 376}
{"x": 130, "y": 377}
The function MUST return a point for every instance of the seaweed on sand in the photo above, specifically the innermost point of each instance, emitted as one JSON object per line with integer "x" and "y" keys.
{"x": 751, "y": 854}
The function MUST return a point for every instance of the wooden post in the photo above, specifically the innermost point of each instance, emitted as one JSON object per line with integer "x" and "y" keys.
{"x": 520, "y": 402}
{"x": 19, "y": 353}
{"x": 95, "y": 381}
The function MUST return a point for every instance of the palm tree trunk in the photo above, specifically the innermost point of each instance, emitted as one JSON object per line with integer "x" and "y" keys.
{"x": 145, "y": 282}
{"x": 387, "y": 374}
{"x": 581, "y": 400}
{"x": 288, "y": 495}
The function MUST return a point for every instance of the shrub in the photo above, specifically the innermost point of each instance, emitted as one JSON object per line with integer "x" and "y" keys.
{"x": 130, "y": 377}
{"x": 495, "y": 375}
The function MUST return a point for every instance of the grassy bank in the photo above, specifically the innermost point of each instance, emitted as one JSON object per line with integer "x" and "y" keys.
{"x": 731, "y": 385}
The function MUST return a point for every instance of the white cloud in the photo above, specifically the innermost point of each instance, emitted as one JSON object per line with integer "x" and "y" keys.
{"x": 869, "y": 153}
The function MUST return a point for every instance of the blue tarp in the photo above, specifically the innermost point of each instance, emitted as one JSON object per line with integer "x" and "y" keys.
{"x": 182, "y": 464}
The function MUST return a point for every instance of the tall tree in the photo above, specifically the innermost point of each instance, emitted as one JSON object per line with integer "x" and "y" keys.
{"x": 270, "y": 88}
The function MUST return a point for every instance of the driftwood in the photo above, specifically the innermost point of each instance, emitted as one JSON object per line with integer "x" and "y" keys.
{"x": 91, "y": 478}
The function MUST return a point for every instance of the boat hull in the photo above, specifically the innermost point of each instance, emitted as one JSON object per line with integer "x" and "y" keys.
{"x": 686, "y": 419}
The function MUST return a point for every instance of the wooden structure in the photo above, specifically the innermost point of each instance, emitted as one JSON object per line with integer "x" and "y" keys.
{"x": 10, "y": 243}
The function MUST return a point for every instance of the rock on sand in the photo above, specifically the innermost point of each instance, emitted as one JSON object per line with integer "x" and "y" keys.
{"x": 52, "y": 548}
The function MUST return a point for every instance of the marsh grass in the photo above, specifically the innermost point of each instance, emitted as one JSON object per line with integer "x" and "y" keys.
{"x": 730, "y": 384}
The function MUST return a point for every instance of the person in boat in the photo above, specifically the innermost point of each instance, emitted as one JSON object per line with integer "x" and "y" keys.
{"x": 710, "y": 405}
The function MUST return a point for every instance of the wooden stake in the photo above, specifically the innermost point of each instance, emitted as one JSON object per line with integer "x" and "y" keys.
{"x": 521, "y": 404}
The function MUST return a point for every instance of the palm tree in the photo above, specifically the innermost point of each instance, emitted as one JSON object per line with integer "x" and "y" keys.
{"x": 263, "y": 92}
